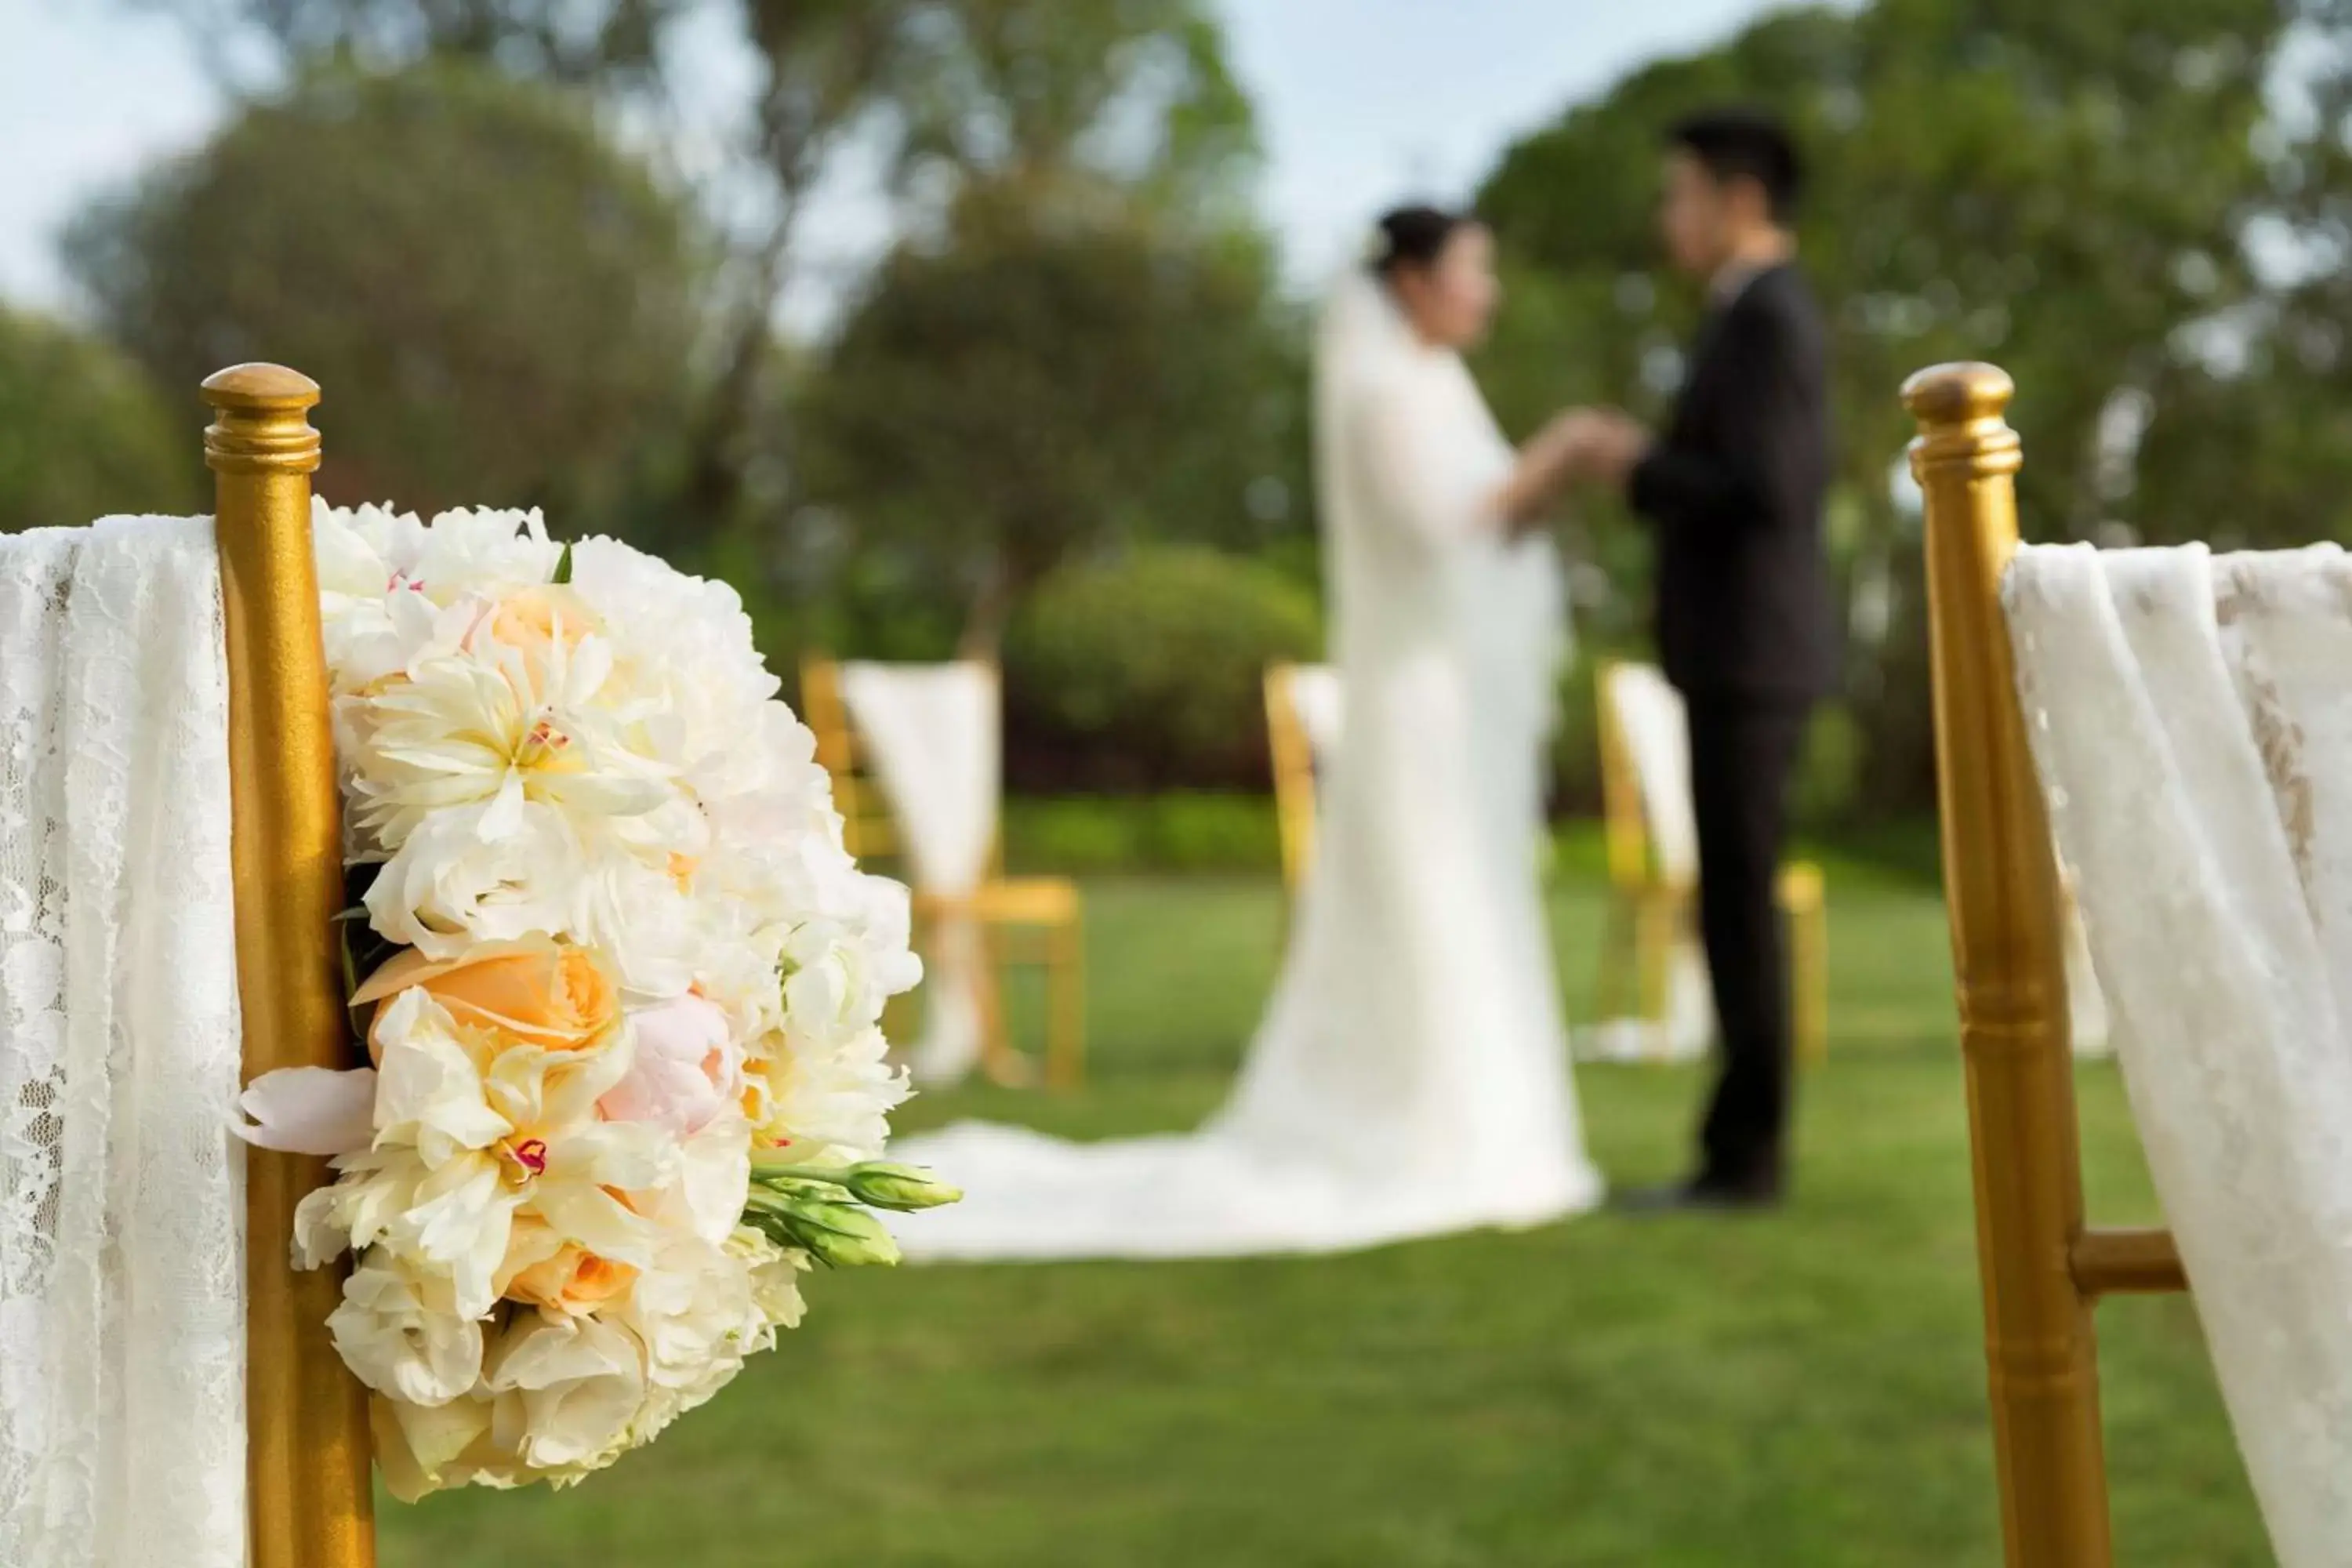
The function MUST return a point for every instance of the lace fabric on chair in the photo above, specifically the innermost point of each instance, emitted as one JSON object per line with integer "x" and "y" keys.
{"x": 1650, "y": 718}
{"x": 2192, "y": 723}
{"x": 1321, "y": 704}
{"x": 122, "y": 1274}
{"x": 932, "y": 731}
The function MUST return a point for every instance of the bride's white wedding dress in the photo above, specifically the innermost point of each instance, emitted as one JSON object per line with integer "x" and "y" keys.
{"x": 1410, "y": 1076}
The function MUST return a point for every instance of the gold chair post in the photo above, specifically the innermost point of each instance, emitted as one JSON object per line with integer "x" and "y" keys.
{"x": 309, "y": 1487}
{"x": 2008, "y": 955}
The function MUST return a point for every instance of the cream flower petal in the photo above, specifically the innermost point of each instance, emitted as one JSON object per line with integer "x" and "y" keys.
{"x": 309, "y": 1110}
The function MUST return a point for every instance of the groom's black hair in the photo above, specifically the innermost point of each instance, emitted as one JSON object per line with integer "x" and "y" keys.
{"x": 1745, "y": 144}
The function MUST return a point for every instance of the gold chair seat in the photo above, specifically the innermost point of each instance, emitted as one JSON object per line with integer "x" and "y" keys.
{"x": 1008, "y": 901}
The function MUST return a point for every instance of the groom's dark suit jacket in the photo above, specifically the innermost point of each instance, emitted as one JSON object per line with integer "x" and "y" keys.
{"x": 1734, "y": 486}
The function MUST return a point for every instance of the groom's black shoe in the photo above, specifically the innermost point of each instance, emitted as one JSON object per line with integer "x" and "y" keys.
{"x": 1703, "y": 1194}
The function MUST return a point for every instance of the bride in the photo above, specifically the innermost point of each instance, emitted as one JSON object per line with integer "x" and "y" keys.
{"x": 1410, "y": 1076}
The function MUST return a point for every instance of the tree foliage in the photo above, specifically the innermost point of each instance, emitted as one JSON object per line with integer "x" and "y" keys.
{"x": 501, "y": 306}
{"x": 563, "y": 41}
{"x": 84, "y": 434}
{"x": 1149, "y": 671}
{"x": 1041, "y": 385}
{"x": 2067, "y": 189}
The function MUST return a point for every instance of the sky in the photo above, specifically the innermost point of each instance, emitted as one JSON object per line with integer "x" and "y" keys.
{"x": 1361, "y": 103}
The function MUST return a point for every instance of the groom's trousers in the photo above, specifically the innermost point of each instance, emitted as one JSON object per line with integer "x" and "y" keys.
{"x": 1742, "y": 750}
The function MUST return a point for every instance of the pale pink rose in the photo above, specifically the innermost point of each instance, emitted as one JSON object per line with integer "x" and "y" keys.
{"x": 309, "y": 1110}
{"x": 687, "y": 1071}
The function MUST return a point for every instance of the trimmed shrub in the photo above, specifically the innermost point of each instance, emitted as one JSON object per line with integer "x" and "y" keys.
{"x": 1148, "y": 671}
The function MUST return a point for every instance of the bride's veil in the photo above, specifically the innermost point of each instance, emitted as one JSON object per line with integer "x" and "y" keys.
{"x": 1359, "y": 331}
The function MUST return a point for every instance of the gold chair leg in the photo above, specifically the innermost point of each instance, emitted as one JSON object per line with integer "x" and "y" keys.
{"x": 999, "y": 1059}
{"x": 1617, "y": 945}
{"x": 1653, "y": 953}
{"x": 1065, "y": 1042}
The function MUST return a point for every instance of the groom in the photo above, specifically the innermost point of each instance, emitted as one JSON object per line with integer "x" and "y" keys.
{"x": 1732, "y": 488}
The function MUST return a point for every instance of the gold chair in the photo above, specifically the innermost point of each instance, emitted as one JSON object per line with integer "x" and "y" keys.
{"x": 310, "y": 1497}
{"x": 2044, "y": 1268}
{"x": 1023, "y": 919}
{"x": 1293, "y": 750}
{"x": 1652, "y": 903}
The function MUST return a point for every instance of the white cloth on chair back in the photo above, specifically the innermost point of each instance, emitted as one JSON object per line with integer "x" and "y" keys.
{"x": 2087, "y": 1005}
{"x": 1650, "y": 721}
{"x": 121, "y": 1278}
{"x": 933, "y": 732}
{"x": 2193, "y": 723}
{"x": 1321, "y": 704}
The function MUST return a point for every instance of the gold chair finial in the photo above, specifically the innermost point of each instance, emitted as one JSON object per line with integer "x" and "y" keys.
{"x": 1959, "y": 409}
{"x": 1958, "y": 393}
{"x": 261, "y": 423}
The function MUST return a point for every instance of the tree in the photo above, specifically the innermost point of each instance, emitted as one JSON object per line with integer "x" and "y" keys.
{"x": 2064, "y": 188}
{"x": 501, "y": 306}
{"x": 1038, "y": 384}
{"x": 1024, "y": 94}
{"x": 262, "y": 42}
{"x": 1077, "y": 341}
{"x": 949, "y": 92}
{"x": 84, "y": 434}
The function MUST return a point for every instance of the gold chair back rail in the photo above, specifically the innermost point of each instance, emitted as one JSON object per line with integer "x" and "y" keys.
{"x": 2044, "y": 1269}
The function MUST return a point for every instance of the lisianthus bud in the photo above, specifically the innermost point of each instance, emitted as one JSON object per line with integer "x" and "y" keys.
{"x": 838, "y": 1234}
{"x": 888, "y": 1186}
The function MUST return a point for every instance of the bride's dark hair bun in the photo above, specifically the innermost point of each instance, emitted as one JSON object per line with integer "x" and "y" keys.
{"x": 1412, "y": 236}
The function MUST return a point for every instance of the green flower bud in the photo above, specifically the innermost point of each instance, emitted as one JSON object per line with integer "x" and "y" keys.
{"x": 837, "y": 1234}
{"x": 888, "y": 1186}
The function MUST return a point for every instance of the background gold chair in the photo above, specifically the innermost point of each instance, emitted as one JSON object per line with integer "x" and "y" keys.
{"x": 2044, "y": 1268}
{"x": 1022, "y": 920}
{"x": 1653, "y": 869}
{"x": 1301, "y": 700}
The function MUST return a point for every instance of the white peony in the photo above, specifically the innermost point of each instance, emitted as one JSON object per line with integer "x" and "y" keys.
{"x": 452, "y": 886}
{"x": 483, "y": 553}
{"x": 492, "y": 725}
{"x": 568, "y": 1389}
{"x": 838, "y": 975}
{"x": 401, "y": 1334}
{"x": 832, "y": 1099}
{"x": 688, "y": 1067}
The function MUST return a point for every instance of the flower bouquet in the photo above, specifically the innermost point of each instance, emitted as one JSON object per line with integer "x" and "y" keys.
{"x": 620, "y": 986}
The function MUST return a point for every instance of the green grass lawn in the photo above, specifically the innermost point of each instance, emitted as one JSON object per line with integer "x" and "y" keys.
{"x": 1802, "y": 1390}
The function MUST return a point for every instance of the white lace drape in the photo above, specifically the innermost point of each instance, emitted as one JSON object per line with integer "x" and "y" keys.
{"x": 933, "y": 733}
{"x": 2192, "y": 720}
{"x": 121, "y": 1278}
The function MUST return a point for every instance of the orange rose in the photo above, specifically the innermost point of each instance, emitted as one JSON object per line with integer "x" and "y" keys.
{"x": 538, "y": 992}
{"x": 574, "y": 1280}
